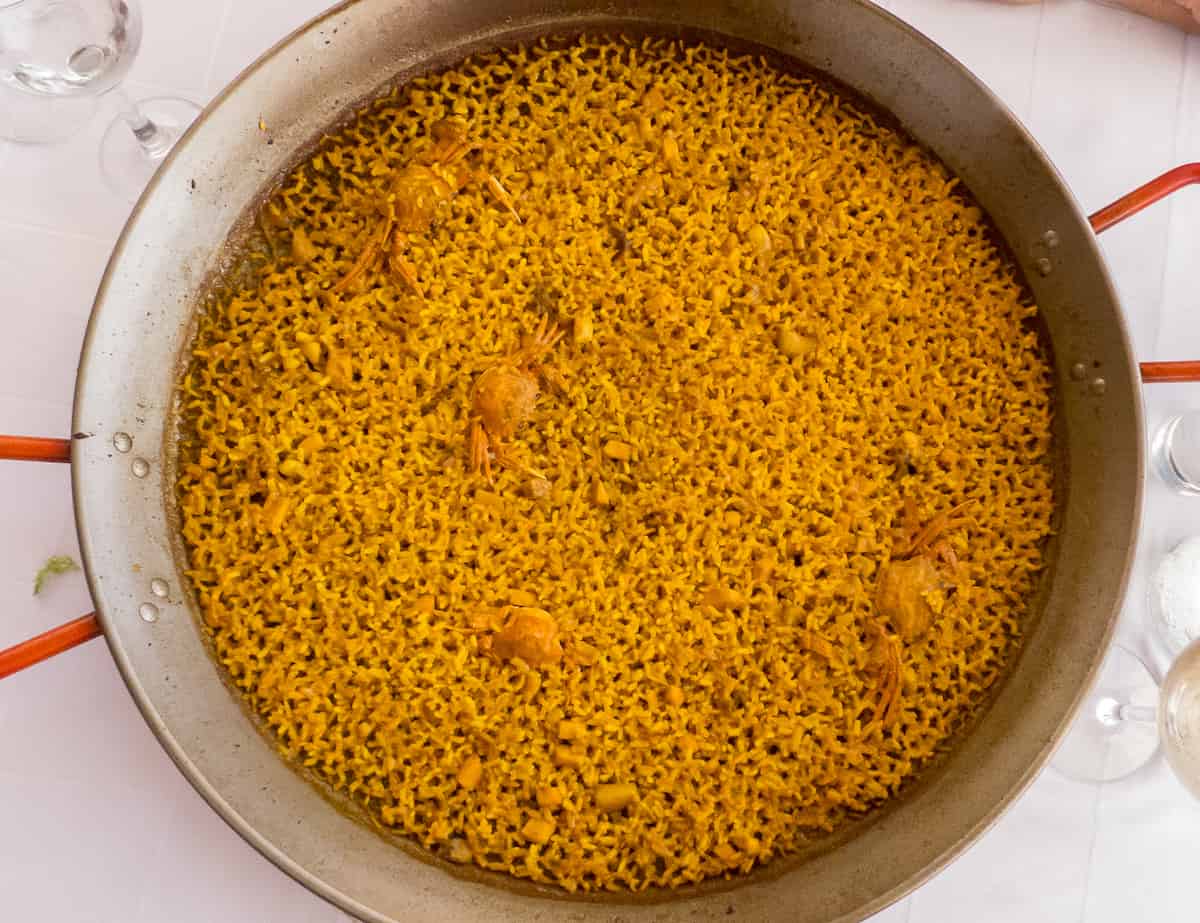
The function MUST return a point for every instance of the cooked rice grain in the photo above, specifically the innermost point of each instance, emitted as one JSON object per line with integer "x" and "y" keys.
{"x": 791, "y": 315}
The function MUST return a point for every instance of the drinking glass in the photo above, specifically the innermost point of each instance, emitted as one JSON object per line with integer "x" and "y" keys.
{"x": 1175, "y": 453}
{"x": 57, "y": 57}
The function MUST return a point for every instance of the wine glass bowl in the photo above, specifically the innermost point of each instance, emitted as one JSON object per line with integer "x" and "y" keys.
{"x": 68, "y": 47}
{"x": 1179, "y": 717}
{"x": 56, "y": 58}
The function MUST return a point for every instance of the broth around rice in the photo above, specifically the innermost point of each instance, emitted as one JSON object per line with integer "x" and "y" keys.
{"x": 783, "y": 321}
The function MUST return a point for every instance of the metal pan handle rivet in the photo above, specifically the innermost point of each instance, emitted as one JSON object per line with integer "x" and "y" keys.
{"x": 1079, "y": 371}
{"x": 159, "y": 587}
{"x": 1098, "y": 386}
{"x": 122, "y": 442}
{"x": 1044, "y": 266}
{"x": 140, "y": 467}
{"x": 1050, "y": 238}
{"x": 148, "y": 612}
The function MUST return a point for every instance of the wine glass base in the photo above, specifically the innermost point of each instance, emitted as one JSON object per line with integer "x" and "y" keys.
{"x": 125, "y": 164}
{"x": 1100, "y": 746}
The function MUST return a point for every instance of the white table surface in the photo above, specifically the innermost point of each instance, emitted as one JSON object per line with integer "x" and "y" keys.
{"x": 95, "y": 822}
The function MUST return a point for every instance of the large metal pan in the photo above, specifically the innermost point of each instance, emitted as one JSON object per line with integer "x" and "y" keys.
{"x": 138, "y": 335}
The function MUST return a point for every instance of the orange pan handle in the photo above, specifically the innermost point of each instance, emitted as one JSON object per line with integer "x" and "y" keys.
{"x": 32, "y": 448}
{"x": 1151, "y": 192}
{"x": 1131, "y": 204}
{"x": 1164, "y": 372}
{"x": 49, "y": 643}
{"x": 64, "y": 637}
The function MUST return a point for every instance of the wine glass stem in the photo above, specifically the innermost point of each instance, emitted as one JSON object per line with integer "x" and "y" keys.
{"x": 153, "y": 140}
{"x": 1145, "y": 714}
{"x": 1110, "y": 712}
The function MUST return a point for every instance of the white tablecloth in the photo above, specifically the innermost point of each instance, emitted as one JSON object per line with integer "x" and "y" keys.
{"x": 95, "y": 822}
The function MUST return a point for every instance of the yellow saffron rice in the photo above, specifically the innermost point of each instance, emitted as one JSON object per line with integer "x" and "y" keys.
{"x": 782, "y": 318}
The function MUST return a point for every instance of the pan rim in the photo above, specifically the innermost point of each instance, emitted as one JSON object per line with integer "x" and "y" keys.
{"x": 213, "y": 795}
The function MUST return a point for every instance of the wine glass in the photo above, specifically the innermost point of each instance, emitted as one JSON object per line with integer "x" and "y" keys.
{"x": 1119, "y": 730}
{"x": 1116, "y": 730}
{"x": 57, "y": 57}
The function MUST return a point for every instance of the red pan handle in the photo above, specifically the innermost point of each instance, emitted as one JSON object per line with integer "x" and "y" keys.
{"x": 1148, "y": 194}
{"x": 32, "y": 448}
{"x": 1131, "y": 204}
{"x": 64, "y": 637}
{"x": 49, "y": 643}
{"x": 1165, "y": 372}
